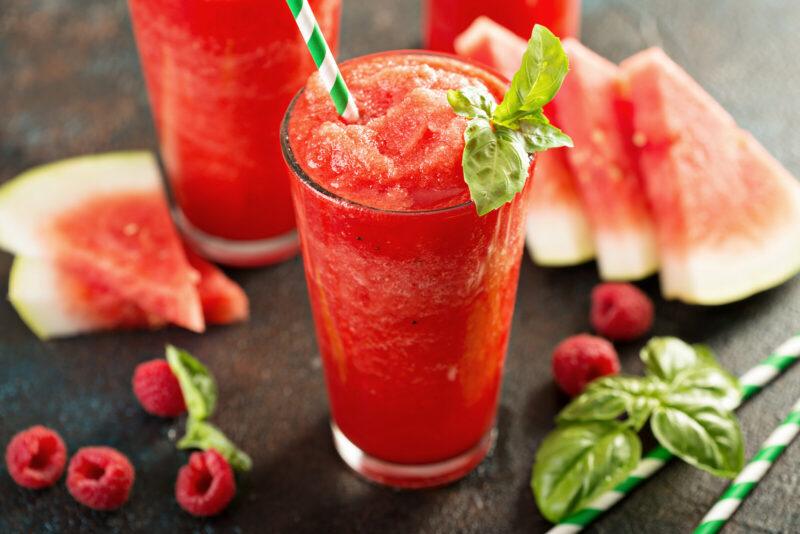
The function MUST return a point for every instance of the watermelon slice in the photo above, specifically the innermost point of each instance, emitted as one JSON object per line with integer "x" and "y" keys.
{"x": 558, "y": 231}
{"x": 728, "y": 214}
{"x": 590, "y": 110}
{"x": 488, "y": 42}
{"x": 105, "y": 219}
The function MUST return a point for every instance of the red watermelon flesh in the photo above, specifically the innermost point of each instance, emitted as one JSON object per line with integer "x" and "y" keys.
{"x": 728, "y": 214}
{"x": 128, "y": 240}
{"x": 591, "y": 110}
{"x": 223, "y": 300}
{"x": 488, "y": 42}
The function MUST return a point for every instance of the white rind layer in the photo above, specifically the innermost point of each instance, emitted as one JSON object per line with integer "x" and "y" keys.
{"x": 721, "y": 276}
{"x": 559, "y": 236}
{"x": 627, "y": 255}
{"x": 35, "y": 294}
{"x": 36, "y": 196}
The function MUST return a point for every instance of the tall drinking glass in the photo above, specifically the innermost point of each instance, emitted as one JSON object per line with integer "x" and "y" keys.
{"x": 445, "y": 19}
{"x": 412, "y": 292}
{"x": 220, "y": 74}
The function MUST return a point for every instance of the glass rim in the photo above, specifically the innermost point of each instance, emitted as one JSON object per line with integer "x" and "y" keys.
{"x": 297, "y": 169}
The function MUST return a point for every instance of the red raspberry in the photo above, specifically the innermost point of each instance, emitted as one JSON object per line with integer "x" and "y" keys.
{"x": 621, "y": 312}
{"x": 157, "y": 389}
{"x": 100, "y": 477}
{"x": 205, "y": 485}
{"x": 36, "y": 457}
{"x": 580, "y": 359}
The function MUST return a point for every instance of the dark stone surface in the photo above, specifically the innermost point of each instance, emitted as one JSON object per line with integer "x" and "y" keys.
{"x": 69, "y": 84}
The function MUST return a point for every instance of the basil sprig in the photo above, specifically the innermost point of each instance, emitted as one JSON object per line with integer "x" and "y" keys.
{"x": 500, "y": 139}
{"x": 688, "y": 398}
{"x": 200, "y": 394}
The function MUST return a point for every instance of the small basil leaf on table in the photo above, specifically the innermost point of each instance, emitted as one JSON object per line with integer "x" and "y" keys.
{"x": 579, "y": 462}
{"x": 665, "y": 357}
{"x": 495, "y": 164}
{"x": 703, "y": 435}
{"x": 706, "y": 385}
{"x": 203, "y": 435}
{"x": 197, "y": 384}
{"x": 472, "y": 102}
{"x": 610, "y": 397}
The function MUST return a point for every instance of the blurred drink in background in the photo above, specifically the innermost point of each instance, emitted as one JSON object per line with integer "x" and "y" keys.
{"x": 220, "y": 74}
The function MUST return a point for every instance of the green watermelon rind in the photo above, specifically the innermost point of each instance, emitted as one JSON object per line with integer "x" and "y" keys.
{"x": 23, "y": 192}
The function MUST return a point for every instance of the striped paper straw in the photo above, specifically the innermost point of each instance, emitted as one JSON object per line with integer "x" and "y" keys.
{"x": 751, "y": 383}
{"x": 752, "y": 473}
{"x": 323, "y": 58}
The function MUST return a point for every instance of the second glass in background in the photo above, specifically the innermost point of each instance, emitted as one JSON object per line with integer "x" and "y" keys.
{"x": 444, "y": 20}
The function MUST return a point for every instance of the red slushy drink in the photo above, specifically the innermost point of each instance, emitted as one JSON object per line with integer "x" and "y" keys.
{"x": 220, "y": 74}
{"x": 412, "y": 292}
{"x": 445, "y": 19}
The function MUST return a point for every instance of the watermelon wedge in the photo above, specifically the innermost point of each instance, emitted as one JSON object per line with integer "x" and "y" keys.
{"x": 105, "y": 219}
{"x": 590, "y": 109}
{"x": 558, "y": 232}
{"x": 557, "y": 229}
{"x": 728, "y": 214}
{"x": 493, "y": 44}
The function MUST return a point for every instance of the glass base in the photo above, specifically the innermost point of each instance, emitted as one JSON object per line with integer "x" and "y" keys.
{"x": 238, "y": 253}
{"x": 411, "y": 476}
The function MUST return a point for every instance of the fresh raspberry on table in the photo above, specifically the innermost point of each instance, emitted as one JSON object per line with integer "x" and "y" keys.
{"x": 621, "y": 312}
{"x": 580, "y": 359}
{"x": 100, "y": 477}
{"x": 157, "y": 389}
{"x": 35, "y": 457}
{"x": 205, "y": 485}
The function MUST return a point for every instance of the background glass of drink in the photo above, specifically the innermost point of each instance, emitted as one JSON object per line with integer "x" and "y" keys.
{"x": 220, "y": 74}
{"x": 445, "y": 19}
{"x": 412, "y": 306}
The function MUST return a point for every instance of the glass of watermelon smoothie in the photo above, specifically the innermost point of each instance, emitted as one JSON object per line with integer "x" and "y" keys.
{"x": 444, "y": 20}
{"x": 220, "y": 75}
{"x": 412, "y": 292}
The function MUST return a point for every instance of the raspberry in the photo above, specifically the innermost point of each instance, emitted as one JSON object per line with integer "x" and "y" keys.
{"x": 205, "y": 485}
{"x": 100, "y": 477}
{"x": 36, "y": 457}
{"x": 157, "y": 389}
{"x": 580, "y": 359}
{"x": 621, "y": 312}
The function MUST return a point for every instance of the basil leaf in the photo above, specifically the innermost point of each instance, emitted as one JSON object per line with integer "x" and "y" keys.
{"x": 544, "y": 67}
{"x": 203, "y": 435}
{"x": 472, "y": 102}
{"x": 665, "y": 357}
{"x": 703, "y": 435}
{"x": 197, "y": 385}
{"x": 577, "y": 463}
{"x": 495, "y": 164}
{"x": 540, "y": 135}
{"x": 706, "y": 385}
{"x": 610, "y": 397}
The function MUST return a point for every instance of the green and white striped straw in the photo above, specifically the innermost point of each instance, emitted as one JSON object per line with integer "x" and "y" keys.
{"x": 752, "y": 473}
{"x": 323, "y": 58}
{"x": 752, "y": 382}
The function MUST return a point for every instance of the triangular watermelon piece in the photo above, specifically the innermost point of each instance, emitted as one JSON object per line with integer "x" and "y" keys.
{"x": 106, "y": 218}
{"x": 728, "y": 214}
{"x": 590, "y": 109}
{"x": 558, "y": 231}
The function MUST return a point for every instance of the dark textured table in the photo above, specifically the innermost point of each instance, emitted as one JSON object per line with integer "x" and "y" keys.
{"x": 70, "y": 84}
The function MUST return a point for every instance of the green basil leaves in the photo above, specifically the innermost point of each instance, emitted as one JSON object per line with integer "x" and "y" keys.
{"x": 499, "y": 139}
{"x": 688, "y": 399}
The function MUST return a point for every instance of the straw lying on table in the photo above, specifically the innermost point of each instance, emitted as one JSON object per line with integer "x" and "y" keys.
{"x": 751, "y": 383}
{"x": 752, "y": 473}
{"x": 323, "y": 58}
